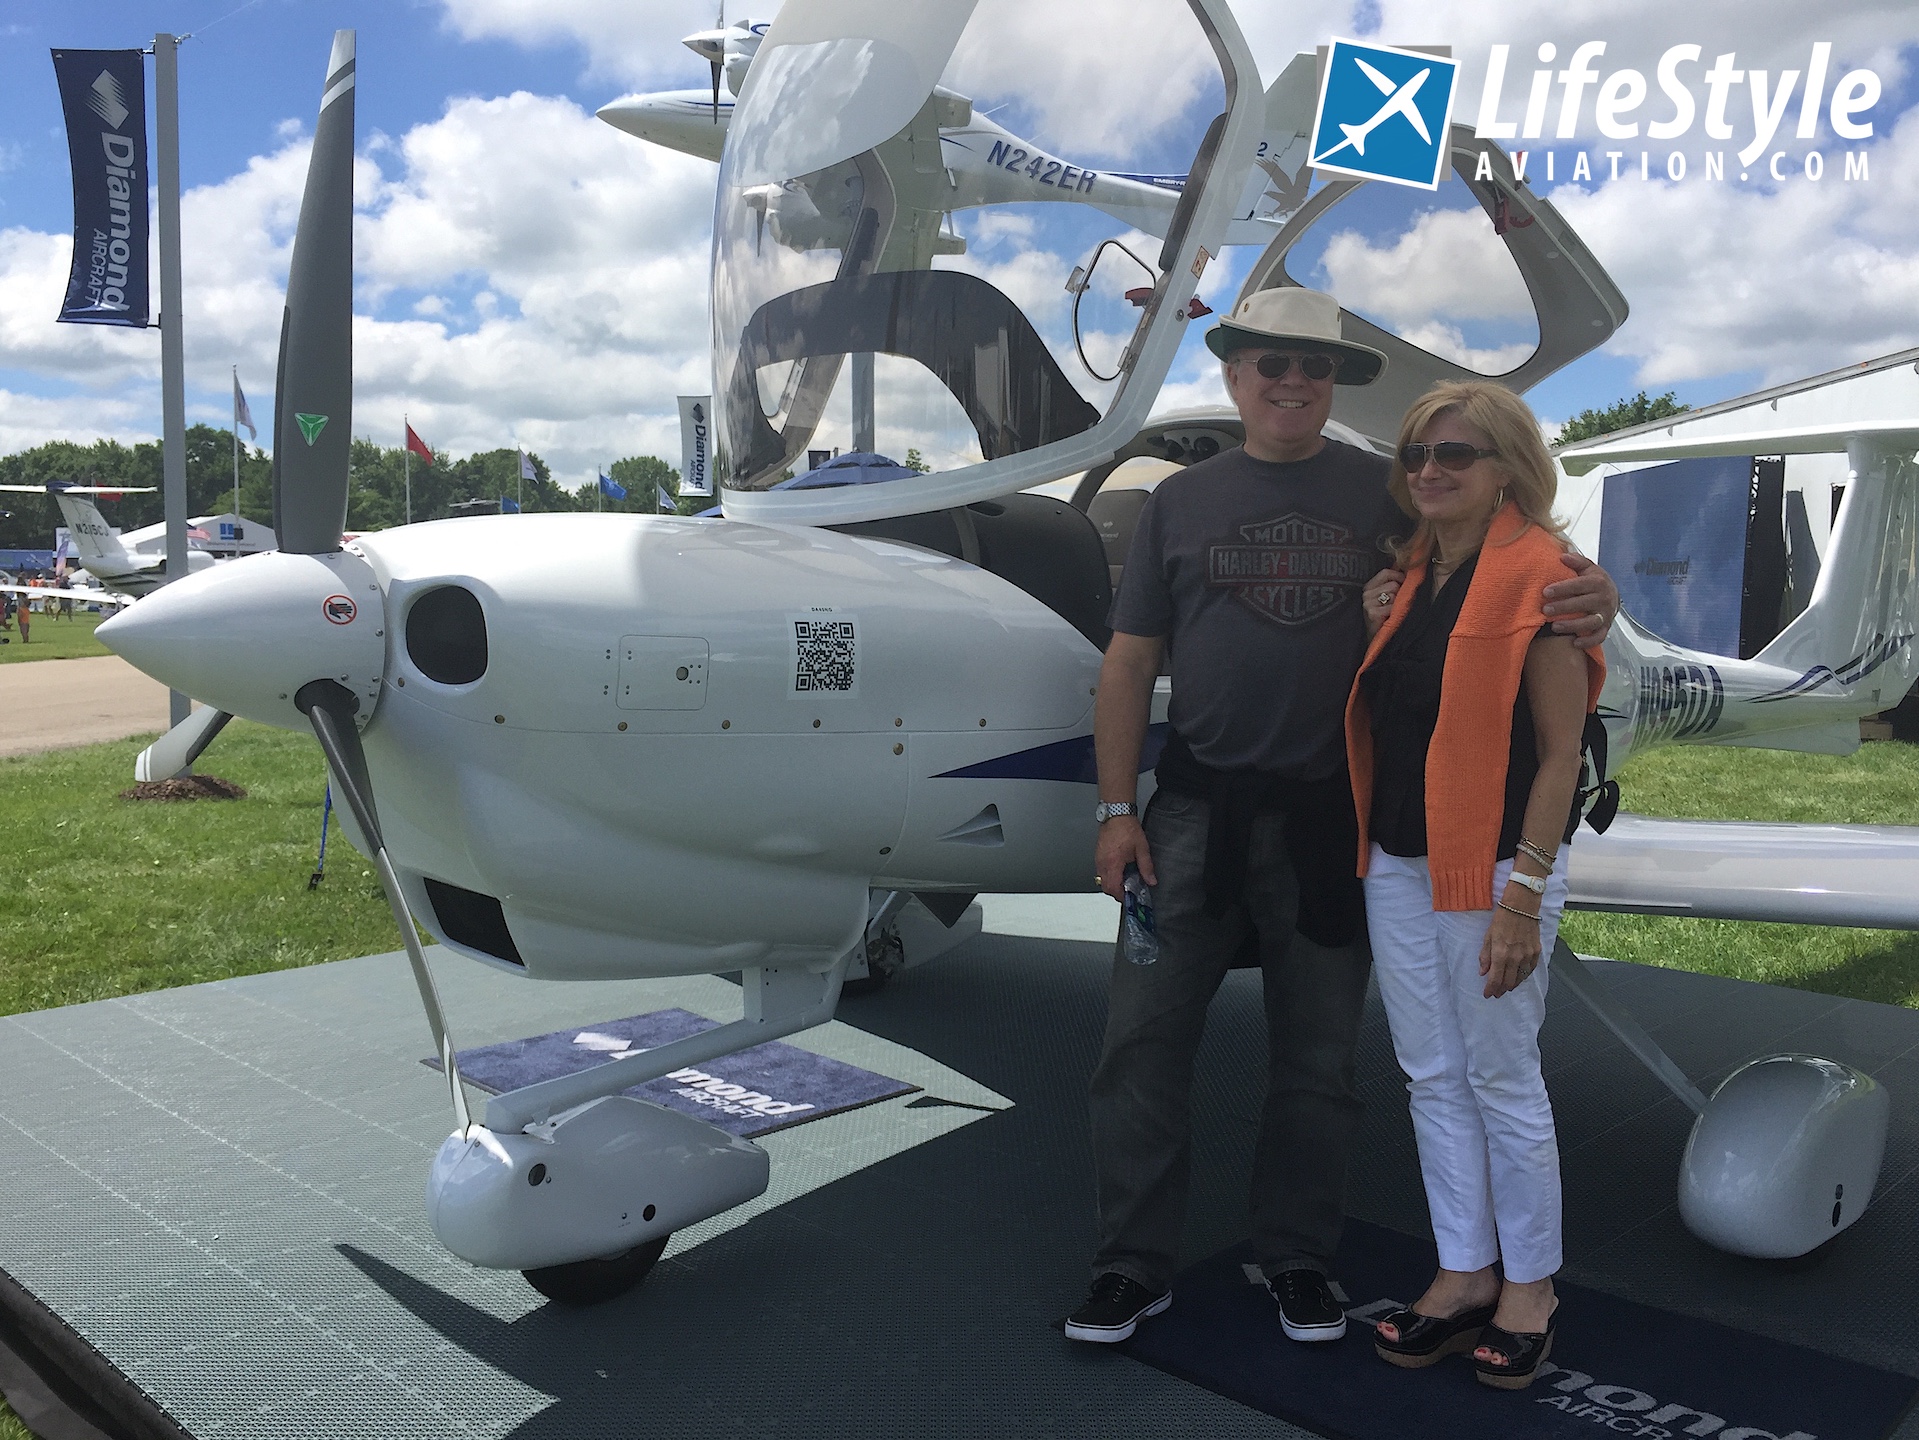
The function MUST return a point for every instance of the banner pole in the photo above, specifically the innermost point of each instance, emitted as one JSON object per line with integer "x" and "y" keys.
{"x": 173, "y": 402}
{"x": 406, "y": 460}
{"x": 236, "y": 442}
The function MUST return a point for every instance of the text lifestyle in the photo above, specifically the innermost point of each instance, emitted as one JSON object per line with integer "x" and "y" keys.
{"x": 1618, "y": 97}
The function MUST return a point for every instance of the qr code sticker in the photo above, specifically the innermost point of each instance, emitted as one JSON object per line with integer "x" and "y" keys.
{"x": 826, "y": 656}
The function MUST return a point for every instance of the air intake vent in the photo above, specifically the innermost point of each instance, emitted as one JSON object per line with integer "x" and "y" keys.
{"x": 446, "y": 635}
{"x": 982, "y": 829}
{"x": 471, "y": 919}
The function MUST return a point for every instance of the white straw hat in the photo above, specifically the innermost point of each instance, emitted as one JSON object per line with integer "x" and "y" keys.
{"x": 1289, "y": 317}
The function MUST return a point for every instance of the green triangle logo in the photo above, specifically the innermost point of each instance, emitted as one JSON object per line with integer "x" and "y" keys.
{"x": 311, "y": 425}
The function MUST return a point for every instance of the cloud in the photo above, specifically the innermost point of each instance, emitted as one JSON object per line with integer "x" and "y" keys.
{"x": 523, "y": 272}
{"x": 1448, "y": 264}
{"x": 1724, "y": 278}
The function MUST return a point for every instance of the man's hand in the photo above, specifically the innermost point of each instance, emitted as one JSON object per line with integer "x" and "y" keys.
{"x": 1122, "y": 842}
{"x": 1585, "y": 606}
{"x": 1376, "y": 595}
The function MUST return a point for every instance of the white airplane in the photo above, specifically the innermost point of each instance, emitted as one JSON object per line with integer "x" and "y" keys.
{"x": 1400, "y": 102}
{"x": 978, "y": 162}
{"x": 100, "y": 551}
{"x": 754, "y": 743}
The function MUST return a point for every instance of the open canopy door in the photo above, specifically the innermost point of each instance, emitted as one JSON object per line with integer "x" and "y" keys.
{"x": 909, "y": 192}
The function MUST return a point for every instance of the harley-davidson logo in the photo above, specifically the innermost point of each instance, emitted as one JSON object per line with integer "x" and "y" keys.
{"x": 1292, "y": 569}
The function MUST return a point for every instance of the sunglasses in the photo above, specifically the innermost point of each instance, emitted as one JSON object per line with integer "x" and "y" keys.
{"x": 1447, "y": 454}
{"x": 1313, "y": 367}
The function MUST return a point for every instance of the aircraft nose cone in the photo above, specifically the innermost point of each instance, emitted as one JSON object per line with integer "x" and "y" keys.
{"x": 245, "y": 636}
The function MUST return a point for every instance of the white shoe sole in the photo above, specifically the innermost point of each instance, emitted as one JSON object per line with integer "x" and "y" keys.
{"x": 1113, "y": 1334}
{"x": 1312, "y": 1334}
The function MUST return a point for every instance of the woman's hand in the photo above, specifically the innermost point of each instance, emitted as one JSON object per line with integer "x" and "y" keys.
{"x": 1510, "y": 952}
{"x": 1377, "y": 598}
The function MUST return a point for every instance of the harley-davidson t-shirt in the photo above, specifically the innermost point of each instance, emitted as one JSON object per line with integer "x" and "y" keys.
{"x": 1252, "y": 571}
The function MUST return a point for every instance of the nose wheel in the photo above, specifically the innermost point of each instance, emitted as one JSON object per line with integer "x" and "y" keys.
{"x": 593, "y": 1282}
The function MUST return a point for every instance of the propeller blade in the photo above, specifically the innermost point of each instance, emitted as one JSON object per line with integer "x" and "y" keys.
{"x": 716, "y": 92}
{"x": 174, "y": 752}
{"x": 313, "y": 399}
{"x": 330, "y": 707}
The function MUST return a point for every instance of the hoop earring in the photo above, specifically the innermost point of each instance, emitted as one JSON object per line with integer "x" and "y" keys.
{"x": 1499, "y": 500}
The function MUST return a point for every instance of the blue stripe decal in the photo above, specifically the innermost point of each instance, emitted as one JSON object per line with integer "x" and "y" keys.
{"x": 1070, "y": 761}
{"x": 1849, "y": 672}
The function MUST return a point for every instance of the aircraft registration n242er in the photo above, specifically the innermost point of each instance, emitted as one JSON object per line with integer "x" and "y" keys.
{"x": 766, "y": 742}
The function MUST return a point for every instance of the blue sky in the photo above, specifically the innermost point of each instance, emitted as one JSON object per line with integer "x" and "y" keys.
{"x": 527, "y": 275}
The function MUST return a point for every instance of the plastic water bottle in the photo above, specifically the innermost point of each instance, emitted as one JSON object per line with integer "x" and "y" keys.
{"x": 1142, "y": 935}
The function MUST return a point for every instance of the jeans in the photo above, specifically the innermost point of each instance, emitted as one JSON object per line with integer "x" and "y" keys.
{"x": 1140, "y": 1092}
{"x": 1487, "y": 1148}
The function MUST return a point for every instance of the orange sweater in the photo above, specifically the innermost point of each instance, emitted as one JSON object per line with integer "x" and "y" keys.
{"x": 1466, "y": 762}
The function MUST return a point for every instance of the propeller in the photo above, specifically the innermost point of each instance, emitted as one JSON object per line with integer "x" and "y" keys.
{"x": 718, "y": 62}
{"x": 330, "y": 706}
{"x": 300, "y": 621}
{"x": 313, "y": 394}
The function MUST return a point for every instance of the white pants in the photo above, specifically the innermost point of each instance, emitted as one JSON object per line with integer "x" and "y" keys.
{"x": 1487, "y": 1149}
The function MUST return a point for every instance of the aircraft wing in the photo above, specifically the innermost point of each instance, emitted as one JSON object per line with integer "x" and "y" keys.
{"x": 78, "y": 489}
{"x": 1876, "y": 401}
{"x": 1746, "y": 870}
{"x": 95, "y": 597}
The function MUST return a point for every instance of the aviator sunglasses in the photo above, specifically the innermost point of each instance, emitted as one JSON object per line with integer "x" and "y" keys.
{"x": 1447, "y": 454}
{"x": 1313, "y": 367}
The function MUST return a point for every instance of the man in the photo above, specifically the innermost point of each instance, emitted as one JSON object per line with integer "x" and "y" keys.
{"x": 1249, "y": 567}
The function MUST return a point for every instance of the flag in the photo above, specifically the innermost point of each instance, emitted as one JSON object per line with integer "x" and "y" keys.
{"x": 509, "y": 506}
{"x": 668, "y": 506}
{"x": 103, "y": 94}
{"x": 418, "y": 446}
{"x": 526, "y": 467}
{"x": 694, "y": 436}
{"x": 612, "y": 488}
{"x": 242, "y": 415}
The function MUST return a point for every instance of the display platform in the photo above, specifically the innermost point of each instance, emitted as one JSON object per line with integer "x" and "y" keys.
{"x": 215, "y": 1216}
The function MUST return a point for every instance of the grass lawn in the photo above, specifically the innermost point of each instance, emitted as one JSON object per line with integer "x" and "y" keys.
{"x": 1879, "y": 785}
{"x": 52, "y": 639}
{"x": 106, "y": 896}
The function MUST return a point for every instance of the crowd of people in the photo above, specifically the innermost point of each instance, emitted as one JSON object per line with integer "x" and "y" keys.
{"x": 17, "y": 610}
{"x": 1382, "y": 669}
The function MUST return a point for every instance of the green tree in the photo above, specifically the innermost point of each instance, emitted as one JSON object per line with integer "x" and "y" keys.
{"x": 643, "y": 477}
{"x": 916, "y": 461}
{"x": 1621, "y": 416}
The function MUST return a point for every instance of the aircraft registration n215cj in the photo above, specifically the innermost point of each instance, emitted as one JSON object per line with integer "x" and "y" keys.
{"x": 757, "y": 743}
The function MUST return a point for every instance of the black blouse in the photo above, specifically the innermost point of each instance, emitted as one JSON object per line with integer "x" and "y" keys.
{"x": 1402, "y": 694}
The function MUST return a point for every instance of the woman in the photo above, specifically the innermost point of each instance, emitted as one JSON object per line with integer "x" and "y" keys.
{"x": 1463, "y": 732}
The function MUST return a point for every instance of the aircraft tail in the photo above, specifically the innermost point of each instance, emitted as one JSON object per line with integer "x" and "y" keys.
{"x": 1355, "y": 137}
{"x": 93, "y": 538}
{"x": 1857, "y": 641}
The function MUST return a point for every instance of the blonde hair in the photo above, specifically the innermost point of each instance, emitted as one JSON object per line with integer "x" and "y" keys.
{"x": 1508, "y": 423}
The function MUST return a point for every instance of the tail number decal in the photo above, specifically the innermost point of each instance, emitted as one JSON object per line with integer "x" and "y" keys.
{"x": 1676, "y": 702}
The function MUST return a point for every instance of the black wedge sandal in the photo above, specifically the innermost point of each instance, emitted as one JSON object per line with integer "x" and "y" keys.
{"x": 1524, "y": 1352}
{"x": 1427, "y": 1339}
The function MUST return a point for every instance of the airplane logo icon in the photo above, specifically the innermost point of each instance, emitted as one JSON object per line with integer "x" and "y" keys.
{"x": 1353, "y": 133}
{"x": 1399, "y": 102}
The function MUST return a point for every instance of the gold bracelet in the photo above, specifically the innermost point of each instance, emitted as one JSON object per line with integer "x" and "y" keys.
{"x": 1545, "y": 857}
{"x": 1515, "y": 910}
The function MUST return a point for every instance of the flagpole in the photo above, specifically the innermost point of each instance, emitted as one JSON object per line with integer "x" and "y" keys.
{"x": 236, "y": 442}
{"x": 406, "y": 460}
{"x": 173, "y": 406}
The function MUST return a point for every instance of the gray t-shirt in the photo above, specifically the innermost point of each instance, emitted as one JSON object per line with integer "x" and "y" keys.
{"x": 1252, "y": 570}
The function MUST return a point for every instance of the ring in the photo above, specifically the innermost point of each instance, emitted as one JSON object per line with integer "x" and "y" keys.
{"x": 1384, "y": 599}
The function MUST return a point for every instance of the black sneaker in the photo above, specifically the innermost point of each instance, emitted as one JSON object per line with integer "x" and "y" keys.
{"x": 1307, "y": 1309}
{"x": 1114, "y": 1309}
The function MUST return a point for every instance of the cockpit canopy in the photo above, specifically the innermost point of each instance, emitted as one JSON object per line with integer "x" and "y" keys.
{"x": 912, "y": 245}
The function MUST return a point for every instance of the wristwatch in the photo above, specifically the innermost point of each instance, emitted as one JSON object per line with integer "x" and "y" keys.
{"x": 1107, "y": 809}
{"x": 1534, "y": 883}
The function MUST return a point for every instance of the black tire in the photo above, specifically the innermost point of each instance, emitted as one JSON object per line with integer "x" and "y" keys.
{"x": 593, "y": 1282}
